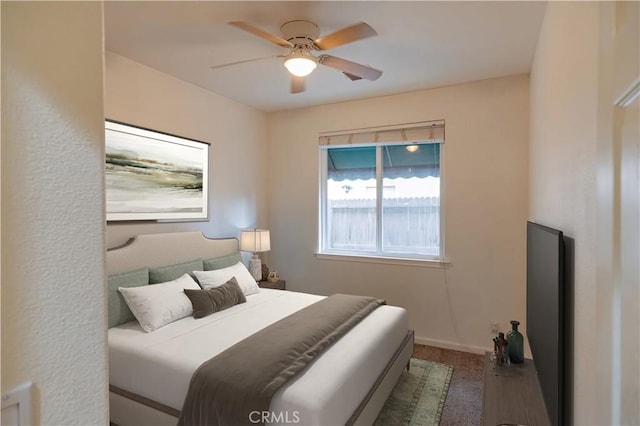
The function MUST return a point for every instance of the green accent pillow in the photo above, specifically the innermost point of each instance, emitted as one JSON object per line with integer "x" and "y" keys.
{"x": 163, "y": 274}
{"x": 222, "y": 261}
{"x": 119, "y": 312}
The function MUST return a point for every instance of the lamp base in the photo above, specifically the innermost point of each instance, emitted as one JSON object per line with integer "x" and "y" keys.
{"x": 255, "y": 267}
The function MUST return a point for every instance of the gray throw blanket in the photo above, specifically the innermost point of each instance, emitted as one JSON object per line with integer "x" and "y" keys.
{"x": 228, "y": 388}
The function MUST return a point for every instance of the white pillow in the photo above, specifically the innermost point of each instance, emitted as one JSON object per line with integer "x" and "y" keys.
{"x": 218, "y": 277}
{"x": 156, "y": 305}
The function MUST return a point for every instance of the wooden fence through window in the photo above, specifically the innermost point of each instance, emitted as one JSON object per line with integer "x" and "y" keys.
{"x": 409, "y": 225}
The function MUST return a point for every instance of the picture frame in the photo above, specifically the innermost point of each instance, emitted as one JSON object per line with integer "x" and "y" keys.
{"x": 154, "y": 176}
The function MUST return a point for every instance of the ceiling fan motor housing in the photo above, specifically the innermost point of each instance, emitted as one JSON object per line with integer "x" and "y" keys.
{"x": 300, "y": 32}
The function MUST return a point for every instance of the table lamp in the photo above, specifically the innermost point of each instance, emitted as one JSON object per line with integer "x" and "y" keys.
{"x": 256, "y": 241}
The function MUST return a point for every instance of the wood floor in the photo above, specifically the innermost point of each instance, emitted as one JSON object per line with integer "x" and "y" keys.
{"x": 464, "y": 400}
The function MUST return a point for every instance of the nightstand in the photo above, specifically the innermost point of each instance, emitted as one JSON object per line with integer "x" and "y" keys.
{"x": 278, "y": 285}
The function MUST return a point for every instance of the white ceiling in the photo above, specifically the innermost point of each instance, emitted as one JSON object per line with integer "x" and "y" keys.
{"x": 419, "y": 45}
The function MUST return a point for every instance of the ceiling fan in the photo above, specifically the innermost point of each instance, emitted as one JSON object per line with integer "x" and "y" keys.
{"x": 301, "y": 38}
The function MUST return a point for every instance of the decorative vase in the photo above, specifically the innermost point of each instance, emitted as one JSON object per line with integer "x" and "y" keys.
{"x": 516, "y": 344}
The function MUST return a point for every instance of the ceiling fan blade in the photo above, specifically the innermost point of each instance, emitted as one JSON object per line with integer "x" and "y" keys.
{"x": 351, "y": 76}
{"x": 244, "y": 61}
{"x": 349, "y": 67}
{"x": 261, "y": 33}
{"x": 344, "y": 36}
{"x": 297, "y": 84}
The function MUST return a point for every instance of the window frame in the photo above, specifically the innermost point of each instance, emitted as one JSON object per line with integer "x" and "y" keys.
{"x": 377, "y": 256}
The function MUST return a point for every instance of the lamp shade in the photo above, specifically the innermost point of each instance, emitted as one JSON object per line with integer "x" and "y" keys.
{"x": 255, "y": 240}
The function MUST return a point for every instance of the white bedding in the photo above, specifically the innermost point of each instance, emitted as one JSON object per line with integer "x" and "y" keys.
{"x": 159, "y": 365}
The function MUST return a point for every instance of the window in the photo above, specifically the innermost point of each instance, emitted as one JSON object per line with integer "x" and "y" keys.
{"x": 380, "y": 192}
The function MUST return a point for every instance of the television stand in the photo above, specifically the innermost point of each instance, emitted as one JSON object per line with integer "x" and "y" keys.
{"x": 512, "y": 395}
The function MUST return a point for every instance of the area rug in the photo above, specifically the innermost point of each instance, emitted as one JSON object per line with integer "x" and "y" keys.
{"x": 418, "y": 397}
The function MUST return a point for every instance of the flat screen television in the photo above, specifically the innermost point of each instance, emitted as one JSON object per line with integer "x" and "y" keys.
{"x": 546, "y": 310}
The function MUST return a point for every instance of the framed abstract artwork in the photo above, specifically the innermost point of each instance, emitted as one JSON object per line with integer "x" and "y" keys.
{"x": 151, "y": 175}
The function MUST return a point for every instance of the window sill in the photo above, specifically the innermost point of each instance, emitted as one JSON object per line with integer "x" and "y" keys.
{"x": 424, "y": 263}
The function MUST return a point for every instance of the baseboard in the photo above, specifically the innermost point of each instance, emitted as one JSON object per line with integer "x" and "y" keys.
{"x": 452, "y": 345}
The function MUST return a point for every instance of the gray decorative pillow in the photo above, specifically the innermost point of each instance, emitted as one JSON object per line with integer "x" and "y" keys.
{"x": 163, "y": 274}
{"x": 206, "y": 302}
{"x": 222, "y": 261}
{"x": 119, "y": 312}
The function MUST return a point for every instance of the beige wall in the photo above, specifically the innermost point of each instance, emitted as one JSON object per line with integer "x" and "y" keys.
{"x": 485, "y": 182}
{"x": 139, "y": 95}
{"x": 563, "y": 149}
{"x": 574, "y": 178}
{"x": 53, "y": 286}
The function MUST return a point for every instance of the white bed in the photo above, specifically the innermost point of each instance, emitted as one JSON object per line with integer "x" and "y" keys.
{"x": 150, "y": 372}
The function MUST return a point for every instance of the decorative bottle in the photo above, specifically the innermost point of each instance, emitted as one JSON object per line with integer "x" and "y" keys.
{"x": 516, "y": 344}
{"x": 502, "y": 354}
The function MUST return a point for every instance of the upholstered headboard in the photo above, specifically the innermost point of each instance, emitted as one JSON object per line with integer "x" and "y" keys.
{"x": 154, "y": 250}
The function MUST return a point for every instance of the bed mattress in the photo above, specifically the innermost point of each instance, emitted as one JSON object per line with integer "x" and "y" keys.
{"x": 159, "y": 365}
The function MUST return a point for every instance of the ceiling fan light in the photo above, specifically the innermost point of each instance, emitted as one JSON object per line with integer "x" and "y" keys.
{"x": 300, "y": 66}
